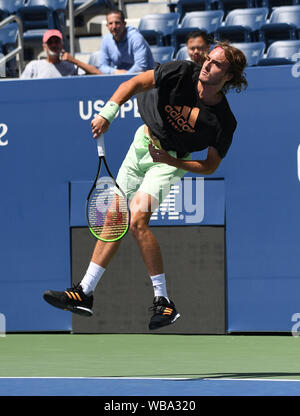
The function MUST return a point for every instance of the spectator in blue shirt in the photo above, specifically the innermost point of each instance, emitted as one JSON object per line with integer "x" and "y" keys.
{"x": 124, "y": 49}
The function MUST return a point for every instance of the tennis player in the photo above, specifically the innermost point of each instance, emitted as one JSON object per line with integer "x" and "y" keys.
{"x": 184, "y": 109}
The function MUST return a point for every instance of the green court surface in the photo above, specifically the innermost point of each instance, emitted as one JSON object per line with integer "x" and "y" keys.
{"x": 143, "y": 355}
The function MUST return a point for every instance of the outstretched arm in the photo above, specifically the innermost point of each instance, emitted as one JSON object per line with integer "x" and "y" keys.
{"x": 140, "y": 83}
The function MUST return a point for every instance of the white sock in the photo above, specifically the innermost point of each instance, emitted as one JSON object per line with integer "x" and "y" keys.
{"x": 159, "y": 285}
{"x": 91, "y": 278}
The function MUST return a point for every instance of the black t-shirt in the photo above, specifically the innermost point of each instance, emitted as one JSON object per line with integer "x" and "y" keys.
{"x": 175, "y": 114}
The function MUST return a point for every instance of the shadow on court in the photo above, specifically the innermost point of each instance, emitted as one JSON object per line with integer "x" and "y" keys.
{"x": 249, "y": 375}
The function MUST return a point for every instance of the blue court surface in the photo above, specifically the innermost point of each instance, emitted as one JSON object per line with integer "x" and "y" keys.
{"x": 78, "y": 386}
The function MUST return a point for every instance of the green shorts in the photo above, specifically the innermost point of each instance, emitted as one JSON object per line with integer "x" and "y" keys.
{"x": 138, "y": 172}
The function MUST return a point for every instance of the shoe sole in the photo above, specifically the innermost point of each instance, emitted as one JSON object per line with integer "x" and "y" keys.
{"x": 169, "y": 323}
{"x": 79, "y": 310}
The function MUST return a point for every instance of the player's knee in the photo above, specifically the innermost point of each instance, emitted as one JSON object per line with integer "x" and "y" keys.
{"x": 138, "y": 227}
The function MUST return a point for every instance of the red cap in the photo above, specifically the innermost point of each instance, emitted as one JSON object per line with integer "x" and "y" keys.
{"x": 52, "y": 32}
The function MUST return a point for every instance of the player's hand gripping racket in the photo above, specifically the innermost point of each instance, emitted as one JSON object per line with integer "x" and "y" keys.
{"x": 107, "y": 209}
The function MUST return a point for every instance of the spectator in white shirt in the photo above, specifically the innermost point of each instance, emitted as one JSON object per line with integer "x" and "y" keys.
{"x": 58, "y": 62}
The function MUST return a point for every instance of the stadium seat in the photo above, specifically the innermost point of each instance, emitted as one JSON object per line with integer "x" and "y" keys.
{"x": 8, "y": 36}
{"x": 242, "y": 25}
{"x": 99, "y": 7}
{"x": 82, "y": 56}
{"x": 274, "y": 61}
{"x": 182, "y": 54}
{"x": 270, "y": 4}
{"x": 94, "y": 58}
{"x": 8, "y": 7}
{"x": 43, "y": 14}
{"x": 286, "y": 51}
{"x": 106, "y": 3}
{"x": 38, "y": 16}
{"x": 156, "y": 28}
{"x": 162, "y": 54}
{"x": 229, "y": 5}
{"x": 254, "y": 51}
{"x": 8, "y": 41}
{"x": 4, "y": 9}
{"x": 2, "y": 68}
{"x": 208, "y": 21}
{"x": 187, "y": 6}
{"x": 284, "y": 25}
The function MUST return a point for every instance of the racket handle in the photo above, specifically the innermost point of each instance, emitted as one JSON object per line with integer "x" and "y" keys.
{"x": 100, "y": 145}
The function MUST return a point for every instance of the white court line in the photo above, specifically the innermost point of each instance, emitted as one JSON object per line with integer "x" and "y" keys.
{"x": 150, "y": 378}
{"x": 100, "y": 378}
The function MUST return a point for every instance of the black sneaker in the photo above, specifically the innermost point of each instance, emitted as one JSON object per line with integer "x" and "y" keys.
{"x": 73, "y": 300}
{"x": 164, "y": 313}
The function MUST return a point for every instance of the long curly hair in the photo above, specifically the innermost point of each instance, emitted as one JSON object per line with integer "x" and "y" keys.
{"x": 237, "y": 61}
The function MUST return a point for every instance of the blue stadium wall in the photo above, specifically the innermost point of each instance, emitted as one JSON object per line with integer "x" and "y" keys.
{"x": 48, "y": 159}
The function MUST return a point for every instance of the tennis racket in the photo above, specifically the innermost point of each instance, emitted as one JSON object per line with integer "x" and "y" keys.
{"x": 107, "y": 210}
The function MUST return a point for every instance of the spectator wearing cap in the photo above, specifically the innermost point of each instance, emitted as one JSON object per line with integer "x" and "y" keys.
{"x": 124, "y": 49}
{"x": 58, "y": 63}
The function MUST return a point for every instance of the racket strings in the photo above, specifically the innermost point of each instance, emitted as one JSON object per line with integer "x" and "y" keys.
{"x": 108, "y": 213}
